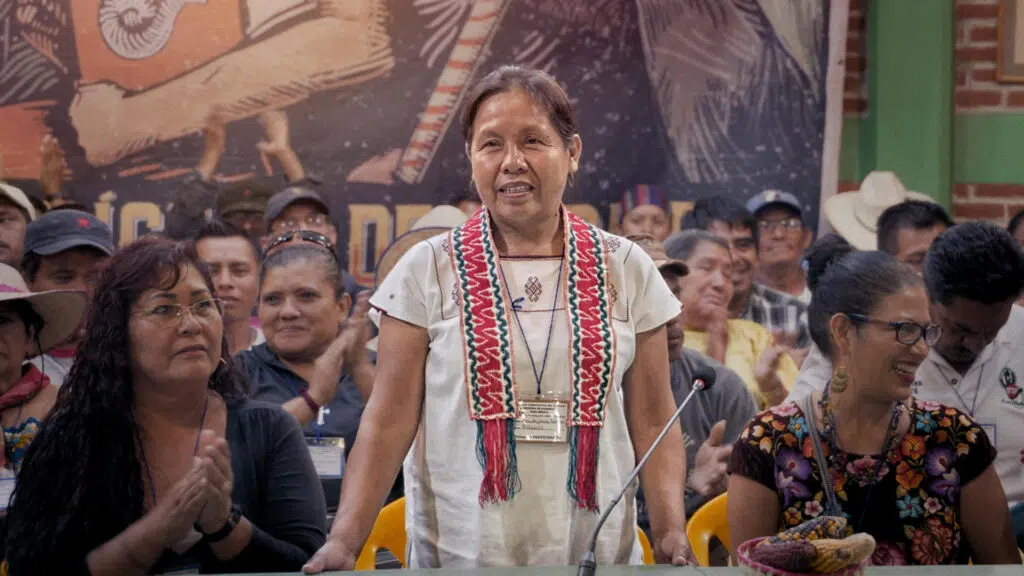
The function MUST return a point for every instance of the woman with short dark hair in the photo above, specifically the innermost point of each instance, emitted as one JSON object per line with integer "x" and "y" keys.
{"x": 305, "y": 363}
{"x": 152, "y": 459}
{"x": 918, "y": 476}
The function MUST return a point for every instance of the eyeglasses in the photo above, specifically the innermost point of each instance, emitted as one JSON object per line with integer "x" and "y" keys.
{"x": 780, "y": 225}
{"x": 171, "y": 314}
{"x": 312, "y": 220}
{"x": 304, "y": 236}
{"x": 907, "y": 333}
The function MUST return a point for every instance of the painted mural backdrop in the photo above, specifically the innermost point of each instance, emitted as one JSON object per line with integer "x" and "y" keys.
{"x": 698, "y": 96}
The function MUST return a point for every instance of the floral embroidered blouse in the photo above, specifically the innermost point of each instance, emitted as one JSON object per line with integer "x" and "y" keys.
{"x": 913, "y": 510}
{"x": 16, "y": 441}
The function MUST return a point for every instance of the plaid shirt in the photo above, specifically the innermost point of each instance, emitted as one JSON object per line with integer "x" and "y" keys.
{"x": 778, "y": 312}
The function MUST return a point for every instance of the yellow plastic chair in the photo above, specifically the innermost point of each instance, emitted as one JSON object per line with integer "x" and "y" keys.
{"x": 388, "y": 532}
{"x": 710, "y": 521}
{"x": 645, "y": 544}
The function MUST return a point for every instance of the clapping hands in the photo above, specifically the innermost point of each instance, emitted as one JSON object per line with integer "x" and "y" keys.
{"x": 202, "y": 498}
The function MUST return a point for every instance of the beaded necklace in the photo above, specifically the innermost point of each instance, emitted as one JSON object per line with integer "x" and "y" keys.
{"x": 837, "y": 458}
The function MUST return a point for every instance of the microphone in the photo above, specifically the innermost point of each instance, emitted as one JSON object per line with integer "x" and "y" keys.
{"x": 703, "y": 379}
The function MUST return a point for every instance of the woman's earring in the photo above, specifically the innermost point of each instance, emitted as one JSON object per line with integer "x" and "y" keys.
{"x": 840, "y": 379}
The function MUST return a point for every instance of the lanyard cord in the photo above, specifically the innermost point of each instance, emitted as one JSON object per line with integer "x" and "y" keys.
{"x": 145, "y": 461}
{"x": 539, "y": 376}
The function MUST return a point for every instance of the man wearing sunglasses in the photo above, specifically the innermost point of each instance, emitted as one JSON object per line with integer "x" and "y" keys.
{"x": 298, "y": 208}
{"x": 974, "y": 272}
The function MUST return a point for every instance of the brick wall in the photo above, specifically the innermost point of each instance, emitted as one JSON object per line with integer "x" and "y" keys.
{"x": 855, "y": 84}
{"x": 976, "y": 34}
{"x": 996, "y": 202}
{"x": 978, "y": 91}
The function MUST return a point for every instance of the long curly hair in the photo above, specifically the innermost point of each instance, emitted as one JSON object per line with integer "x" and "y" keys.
{"x": 81, "y": 481}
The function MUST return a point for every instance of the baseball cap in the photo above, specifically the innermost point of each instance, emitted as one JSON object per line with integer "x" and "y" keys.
{"x": 285, "y": 198}
{"x": 656, "y": 250}
{"x": 774, "y": 198}
{"x": 18, "y": 198}
{"x": 249, "y": 195}
{"x": 61, "y": 230}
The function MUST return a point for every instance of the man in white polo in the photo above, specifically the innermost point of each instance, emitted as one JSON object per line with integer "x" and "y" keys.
{"x": 974, "y": 272}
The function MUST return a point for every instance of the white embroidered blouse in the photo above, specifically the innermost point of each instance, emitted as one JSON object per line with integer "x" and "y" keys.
{"x": 540, "y": 525}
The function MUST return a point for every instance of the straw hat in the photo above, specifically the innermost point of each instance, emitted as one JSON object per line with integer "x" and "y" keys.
{"x": 437, "y": 221}
{"x": 854, "y": 215}
{"x": 61, "y": 310}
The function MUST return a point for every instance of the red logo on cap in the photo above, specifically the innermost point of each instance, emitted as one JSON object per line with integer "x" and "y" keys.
{"x": 84, "y": 223}
{"x": 247, "y": 193}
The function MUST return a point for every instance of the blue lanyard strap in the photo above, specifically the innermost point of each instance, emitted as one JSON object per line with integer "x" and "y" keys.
{"x": 539, "y": 376}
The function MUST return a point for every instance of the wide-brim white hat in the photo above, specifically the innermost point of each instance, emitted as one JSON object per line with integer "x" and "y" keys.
{"x": 61, "y": 310}
{"x": 854, "y": 215}
{"x": 438, "y": 221}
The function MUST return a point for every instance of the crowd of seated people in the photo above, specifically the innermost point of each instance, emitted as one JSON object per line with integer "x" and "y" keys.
{"x": 207, "y": 397}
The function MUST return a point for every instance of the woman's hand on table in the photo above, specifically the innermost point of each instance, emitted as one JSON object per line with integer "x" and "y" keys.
{"x": 674, "y": 548}
{"x": 333, "y": 555}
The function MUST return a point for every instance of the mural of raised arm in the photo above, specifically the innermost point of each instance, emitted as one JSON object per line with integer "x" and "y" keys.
{"x": 720, "y": 68}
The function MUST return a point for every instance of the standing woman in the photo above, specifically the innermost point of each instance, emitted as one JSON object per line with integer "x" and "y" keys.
{"x": 523, "y": 358}
{"x": 152, "y": 460}
{"x": 917, "y": 476}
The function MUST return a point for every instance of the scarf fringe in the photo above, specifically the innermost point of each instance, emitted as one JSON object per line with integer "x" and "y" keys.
{"x": 496, "y": 452}
{"x": 583, "y": 454}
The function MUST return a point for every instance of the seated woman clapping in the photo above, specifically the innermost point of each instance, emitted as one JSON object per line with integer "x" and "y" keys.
{"x": 152, "y": 460}
{"x": 304, "y": 363}
{"x": 916, "y": 475}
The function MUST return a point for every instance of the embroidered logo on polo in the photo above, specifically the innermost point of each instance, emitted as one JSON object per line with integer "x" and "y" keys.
{"x": 1008, "y": 380}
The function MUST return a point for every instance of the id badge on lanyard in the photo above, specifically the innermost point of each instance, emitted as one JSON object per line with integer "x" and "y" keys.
{"x": 328, "y": 455}
{"x": 543, "y": 420}
{"x": 327, "y": 452}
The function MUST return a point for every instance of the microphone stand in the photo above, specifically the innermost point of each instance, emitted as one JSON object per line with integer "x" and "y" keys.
{"x": 588, "y": 566}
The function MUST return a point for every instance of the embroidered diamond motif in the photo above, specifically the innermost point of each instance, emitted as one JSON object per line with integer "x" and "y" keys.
{"x": 533, "y": 288}
{"x": 455, "y": 291}
{"x": 613, "y": 244}
{"x": 613, "y": 293}
{"x": 446, "y": 246}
